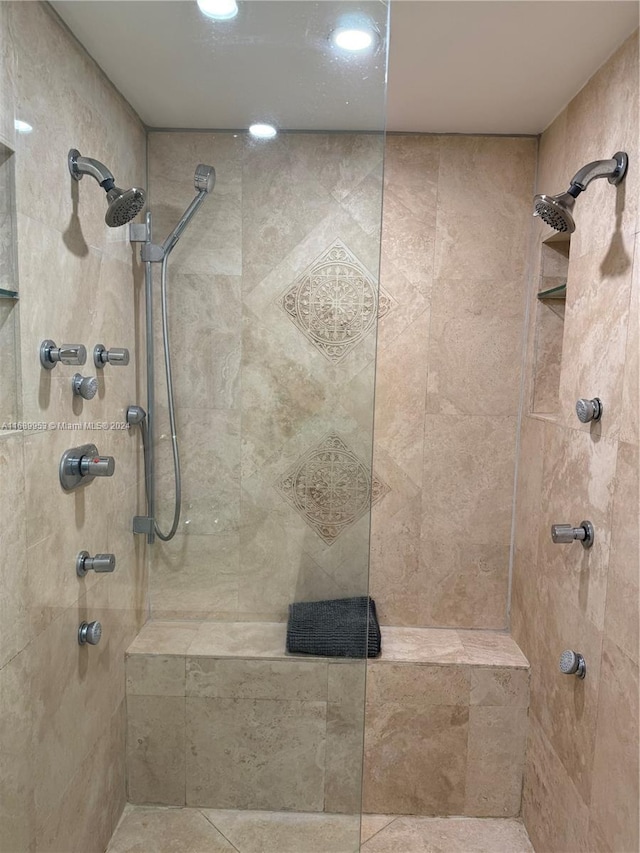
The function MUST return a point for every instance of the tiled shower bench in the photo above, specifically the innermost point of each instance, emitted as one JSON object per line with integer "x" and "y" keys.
{"x": 219, "y": 716}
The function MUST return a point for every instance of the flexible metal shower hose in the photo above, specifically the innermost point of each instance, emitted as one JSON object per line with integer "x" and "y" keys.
{"x": 172, "y": 411}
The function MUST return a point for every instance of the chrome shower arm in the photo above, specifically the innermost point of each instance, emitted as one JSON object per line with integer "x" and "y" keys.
{"x": 175, "y": 235}
{"x": 79, "y": 166}
{"x": 613, "y": 169}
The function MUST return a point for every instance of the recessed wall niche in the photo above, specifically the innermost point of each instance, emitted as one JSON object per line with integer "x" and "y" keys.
{"x": 549, "y": 327}
{"x": 8, "y": 288}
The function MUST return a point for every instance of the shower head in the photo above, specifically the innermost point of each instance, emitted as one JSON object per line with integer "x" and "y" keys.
{"x": 123, "y": 204}
{"x": 557, "y": 210}
{"x": 204, "y": 179}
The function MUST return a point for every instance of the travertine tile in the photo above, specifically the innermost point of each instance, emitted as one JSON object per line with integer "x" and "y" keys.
{"x": 475, "y": 340}
{"x": 415, "y": 686}
{"x": 155, "y": 675}
{"x": 408, "y": 243}
{"x": 156, "y": 749}
{"x": 167, "y": 831}
{"x": 164, "y": 638}
{"x": 240, "y": 640}
{"x": 273, "y": 832}
{"x": 495, "y": 761}
{"x": 281, "y": 202}
{"x": 499, "y": 686}
{"x": 614, "y": 788}
{"x": 549, "y": 331}
{"x": 468, "y": 464}
{"x": 255, "y": 753}
{"x": 15, "y": 602}
{"x": 450, "y": 835}
{"x": 343, "y": 756}
{"x": 210, "y": 470}
{"x": 255, "y": 679}
{"x": 578, "y": 484}
{"x": 629, "y": 430}
{"x": 395, "y": 582}
{"x": 482, "y": 222}
{"x": 491, "y": 648}
{"x": 401, "y": 384}
{"x": 549, "y": 797}
{"x": 603, "y": 117}
{"x": 19, "y": 755}
{"x": 372, "y": 824}
{"x": 621, "y": 612}
{"x": 415, "y": 758}
{"x": 566, "y": 708}
{"x": 339, "y": 162}
{"x": 195, "y": 574}
{"x": 415, "y": 644}
{"x": 89, "y": 823}
{"x": 213, "y": 242}
{"x": 595, "y": 334}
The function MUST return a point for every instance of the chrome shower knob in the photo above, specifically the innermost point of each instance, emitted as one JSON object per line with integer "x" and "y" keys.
{"x": 100, "y": 563}
{"x": 89, "y": 632}
{"x": 80, "y": 465}
{"x": 84, "y": 386}
{"x": 50, "y": 354}
{"x": 118, "y": 356}
{"x": 572, "y": 663}
{"x": 589, "y": 410}
{"x": 564, "y": 534}
{"x": 97, "y": 466}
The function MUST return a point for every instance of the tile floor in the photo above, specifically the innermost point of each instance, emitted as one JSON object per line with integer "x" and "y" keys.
{"x": 146, "y": 829}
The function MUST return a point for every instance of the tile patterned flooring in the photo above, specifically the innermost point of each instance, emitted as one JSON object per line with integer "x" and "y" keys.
{"x": 145, "y": 829}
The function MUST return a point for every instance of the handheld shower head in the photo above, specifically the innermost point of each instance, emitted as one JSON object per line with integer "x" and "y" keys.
{"x": 557, "y": 210}
{"x": 123, "y": 204}
{"x": 204, "y": 179}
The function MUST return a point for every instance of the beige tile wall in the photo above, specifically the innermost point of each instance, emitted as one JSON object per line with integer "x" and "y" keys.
{"x": 456, "y": 213}
{"x": 581, "y": 775}
{"x": 61, "y": 706}
{"x": 453, "y": 256}
{"x": 256, "y": 394}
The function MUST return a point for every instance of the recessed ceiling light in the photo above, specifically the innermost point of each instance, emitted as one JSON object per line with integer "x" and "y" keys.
{"x": 263, "y": 131}
{"x": 219, "y": 10}
{"x": 22, "y": 126}
{"x": 352, "y": 39}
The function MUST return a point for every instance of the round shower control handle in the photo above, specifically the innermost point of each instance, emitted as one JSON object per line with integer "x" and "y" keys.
{"x": 572, "y": 663}
{"x": 84, "y": 386}
{"x": 89, "y": 632}
{"x": 589, "y": 410}
{"x": 118, "y": 356}
{"x": 97, "y": 466}
{"x": 99, "y": 563}
{"x": 565, "y": 534}
{"x": 50, "y": 354}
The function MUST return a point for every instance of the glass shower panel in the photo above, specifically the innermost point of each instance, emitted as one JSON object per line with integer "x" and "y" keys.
{"x": 273, "y": 307}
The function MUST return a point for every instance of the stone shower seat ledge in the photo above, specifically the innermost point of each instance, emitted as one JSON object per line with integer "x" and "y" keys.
{"x": 266, "y": 641}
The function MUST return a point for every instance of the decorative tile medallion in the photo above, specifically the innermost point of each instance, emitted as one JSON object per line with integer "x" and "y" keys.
{"x": 335, "y": 302}
{"x": 331, "y": 488}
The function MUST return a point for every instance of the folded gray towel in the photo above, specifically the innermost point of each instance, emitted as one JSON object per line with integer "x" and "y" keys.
{"x": 343, "y": 628}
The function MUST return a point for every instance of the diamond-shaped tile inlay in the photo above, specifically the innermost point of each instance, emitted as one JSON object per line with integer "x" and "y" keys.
{"x": 335, "y": 302}
{"x": 331, "y": 488}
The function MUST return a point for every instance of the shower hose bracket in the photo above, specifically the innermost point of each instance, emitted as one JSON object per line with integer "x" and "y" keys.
{"x": 152, "y": 252}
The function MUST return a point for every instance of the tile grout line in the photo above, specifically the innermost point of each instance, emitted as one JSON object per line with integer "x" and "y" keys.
{"x": 217, "y": 829}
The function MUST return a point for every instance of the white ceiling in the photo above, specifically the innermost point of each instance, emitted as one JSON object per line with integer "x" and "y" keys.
{"x": 458, "y": 66}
